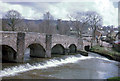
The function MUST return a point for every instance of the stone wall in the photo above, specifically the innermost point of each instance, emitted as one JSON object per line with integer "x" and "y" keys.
{"x": 65, "y": 41}
{"x": 9, "y": 38}
{"x": 19, "y": 41}
{"x": 32, "y": 38}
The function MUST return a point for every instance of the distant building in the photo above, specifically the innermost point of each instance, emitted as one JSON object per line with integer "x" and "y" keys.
{"x": 118, "y": 36}
{"x": 98, "y": 33}
{"x": 113, "y": 33}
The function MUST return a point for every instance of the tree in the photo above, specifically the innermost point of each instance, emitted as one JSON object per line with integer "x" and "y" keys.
{"x": 118, "y": 34}
{"x": 22, "y": 26}
{"x": 32, "y": 26}
{"x": 4, "y": 25}
{"x": 95, "y": 20}
{"x": 13, "y": 17}
{"x": 48, "y": 22}
{"x": 62, "y": 27}
{"x": 79, "y": 20}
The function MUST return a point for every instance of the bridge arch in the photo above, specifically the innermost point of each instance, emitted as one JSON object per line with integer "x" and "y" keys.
{"x": 36, "y": 50}
{"x": 58, "y": 49}
{"x": 30, "y": 42}
{"x": 8, "y": 53}
{"x": 72, "y": 48}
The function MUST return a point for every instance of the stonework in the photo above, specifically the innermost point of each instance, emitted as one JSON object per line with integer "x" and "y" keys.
{"x": 28, "y": 38}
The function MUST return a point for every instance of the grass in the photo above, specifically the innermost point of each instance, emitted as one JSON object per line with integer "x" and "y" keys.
{"x": 110, "y": 51}
{"x": 106, "y": 51}
{"x": 114, "y": 79}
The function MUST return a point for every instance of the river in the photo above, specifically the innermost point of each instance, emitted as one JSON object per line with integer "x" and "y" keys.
{"x": 75, "y": 66}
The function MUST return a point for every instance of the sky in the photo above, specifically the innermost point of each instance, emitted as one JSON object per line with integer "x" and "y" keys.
{"x": 60, "y": 9}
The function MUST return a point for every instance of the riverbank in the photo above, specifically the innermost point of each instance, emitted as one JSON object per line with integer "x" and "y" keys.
{"x": 114, "y": 79}
{"x": 84, "y": 53}
{"x": 107, "y": 52}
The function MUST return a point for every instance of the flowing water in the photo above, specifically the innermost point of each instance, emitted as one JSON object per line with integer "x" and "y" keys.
{"x": 75, "y": 66}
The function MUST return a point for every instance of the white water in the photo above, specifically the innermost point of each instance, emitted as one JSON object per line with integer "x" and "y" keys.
{"x": 50, "y": 63}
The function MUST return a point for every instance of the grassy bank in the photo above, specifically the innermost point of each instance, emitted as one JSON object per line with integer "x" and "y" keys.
{"x": 114, "y": 79}
{"x": 108, "y": 52}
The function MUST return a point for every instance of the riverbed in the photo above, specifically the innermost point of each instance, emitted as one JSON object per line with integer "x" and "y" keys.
{"x": 75, "y": 66}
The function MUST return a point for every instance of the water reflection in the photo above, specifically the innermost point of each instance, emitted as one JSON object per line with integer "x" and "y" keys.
{"x": 27, "y": 54}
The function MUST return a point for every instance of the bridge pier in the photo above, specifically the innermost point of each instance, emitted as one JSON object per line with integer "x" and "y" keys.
{"x": 67, "y": 51}
{"x": 48, "y": 45}
{"x": 20, "y": 47}
{"x": 80, "y": 44}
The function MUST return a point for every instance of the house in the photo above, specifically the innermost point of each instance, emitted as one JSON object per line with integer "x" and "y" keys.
{"x": 98, "y": 33}
{"x": 116, "y": 43}
{"x": 117, "y": 36}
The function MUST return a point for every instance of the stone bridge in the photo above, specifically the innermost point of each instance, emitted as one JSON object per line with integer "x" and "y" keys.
{"x": 14, "y": 44}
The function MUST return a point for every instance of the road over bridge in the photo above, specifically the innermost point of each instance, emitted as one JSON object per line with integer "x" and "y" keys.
{"x": 14, "y": 44}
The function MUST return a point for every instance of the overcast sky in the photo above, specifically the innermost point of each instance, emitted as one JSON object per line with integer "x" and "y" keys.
{"x": 108, "y": 9}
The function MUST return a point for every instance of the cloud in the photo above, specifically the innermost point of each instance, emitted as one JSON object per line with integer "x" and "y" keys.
{"x": 104, "y": 7}
{"x": 108, "y": 12}
{"x": 27, "y": 12}
{"x": 35, "y": 10}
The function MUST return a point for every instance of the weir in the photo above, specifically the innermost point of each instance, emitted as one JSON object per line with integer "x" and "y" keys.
{"x": 12, "y": 71}
{"x": 41, "y": 45}
{"x": 57, "y": 62}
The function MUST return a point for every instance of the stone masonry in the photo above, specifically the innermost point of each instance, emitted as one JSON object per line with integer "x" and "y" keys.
{"x": 19, "y": 41}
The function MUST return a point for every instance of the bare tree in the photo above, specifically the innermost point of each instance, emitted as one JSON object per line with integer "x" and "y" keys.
{"x": 13, "y": 17}
{"x": 62, "y": 27}
{"x": 48, "y": 21}
{"x": 79, "y": 20}
{"x": 95, "y": 21}
{"x": 4, "y": 25}
{"x": 22, "y": 26}
{"x": 32, "y": 26}
{"x": 65, "y": 27}
{"x": 41, "y": 27}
